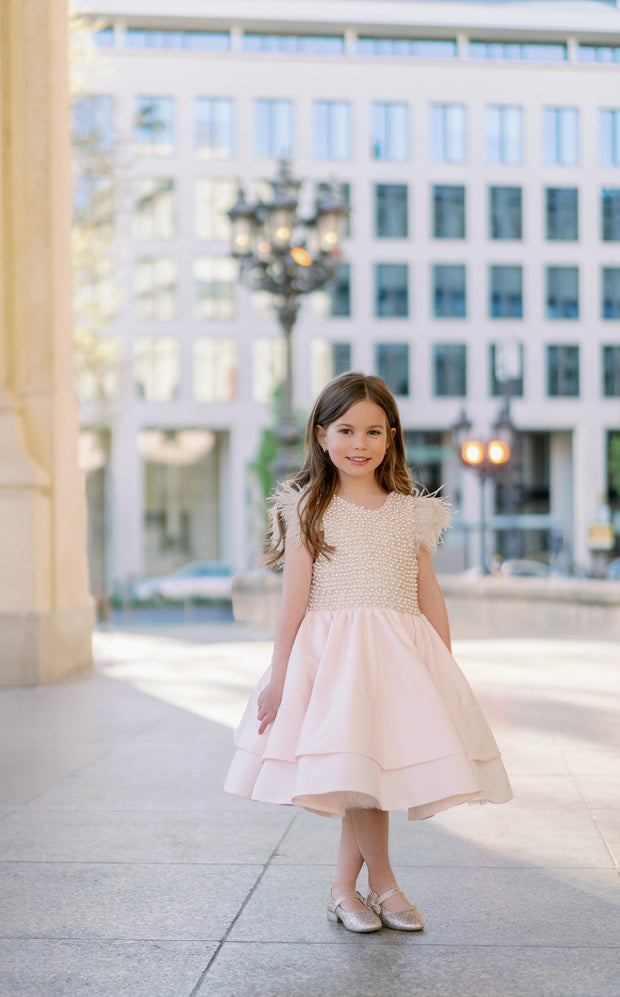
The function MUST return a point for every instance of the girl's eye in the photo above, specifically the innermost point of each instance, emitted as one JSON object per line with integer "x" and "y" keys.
{"x": 375, "y": 432}
{"x": 344, "y": 430}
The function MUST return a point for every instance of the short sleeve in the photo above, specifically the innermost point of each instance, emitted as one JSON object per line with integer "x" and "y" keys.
{"x": 432, "y": 518}
{"x": 284, "y": 522}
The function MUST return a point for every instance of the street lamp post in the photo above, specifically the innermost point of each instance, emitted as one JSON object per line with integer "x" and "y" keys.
{"x": 287, "y": 255}
{"x": 486, "y": 458}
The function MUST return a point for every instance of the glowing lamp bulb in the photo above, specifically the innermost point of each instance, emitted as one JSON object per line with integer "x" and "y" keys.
{"x": 283, "y": 233}
{"x": 498, "y": 452}
{"x": 331, "y": 238}
{"x": 472, "y": 452}
{"x": 301, "y": 256}
{"x": 242, "y": 240}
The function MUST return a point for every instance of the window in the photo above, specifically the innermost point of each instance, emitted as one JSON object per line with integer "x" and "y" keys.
{"x": 391, "y": 290}
{"x": 392, "y": 365}
{"x": 201, "y": 41}
{"x": 610, "y": 214}
{"x": 93, "y": 124}
{"x": 324, "y": 188}
{"x": 155, "y": 286}
{"x": 95, "y": 291}
{"x": 334, "y": 299}
{"x": 99, "y": 380}
{"x": 93, "y": 204}
{"x": 424, "y": 48}
{"x": 156, "y": 368}
{"x": 562, "y": 292}
{"x": 506, "y": 368}
{"x": 327, "y": 360}
{"x": 599, "y": 53}
{"x": 449, "y": 292}
{"x": 267, "y": 368}
{"x": 212, "y": 200}
{"x": 447, "y": 133}
{"x": 391, "y": 211}
{"x": 506, "y": 292}
{"x": 505, "y": 213}
{"x": 563, "y": 371}
{"x": 104, "y": 38}
{"x": 215, "y": 370}
{"x": 332, "y": 129}
{"x": 154, "y": 126}
{"x": 560, "y": 136}
{"x": 448, "y": 212}
{"x": 530, "y": 52}
{"x": 609, "y": 137}
{"x": 389, "y": 132}
{"x": 153, "y": 215}
{"x": 611, "y": 371}
{"x": 213, "y": 127}
{"x": 562, "y": 214}
{"x": 610, "y": 304}
{"x": 503, "y": 134}
{"x": 215, "y": 279}
{"x": 449, "y": 370}
{"x": 273, "y": 128}
{"x": 307, "y": 44}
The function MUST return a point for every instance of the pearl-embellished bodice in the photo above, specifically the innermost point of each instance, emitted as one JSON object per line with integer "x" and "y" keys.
{"x": 375, "y": 558}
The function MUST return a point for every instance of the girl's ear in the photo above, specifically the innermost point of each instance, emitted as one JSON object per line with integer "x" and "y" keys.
{"x": 393, "y": 431}
{"x": 321, "y": 435}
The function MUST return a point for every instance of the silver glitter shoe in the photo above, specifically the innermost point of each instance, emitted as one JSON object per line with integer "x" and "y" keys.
{"x": 401, "y": 920}
{"x": 356, "y": 920}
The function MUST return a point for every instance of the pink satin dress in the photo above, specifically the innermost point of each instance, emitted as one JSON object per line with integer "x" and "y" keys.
{"x": 375, "y": 710}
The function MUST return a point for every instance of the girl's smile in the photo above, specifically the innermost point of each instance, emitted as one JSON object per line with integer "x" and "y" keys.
{"x": 357, "y": 442}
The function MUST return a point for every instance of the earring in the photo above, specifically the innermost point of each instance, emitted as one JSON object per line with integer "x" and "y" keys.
{"x": 324, "y": 449}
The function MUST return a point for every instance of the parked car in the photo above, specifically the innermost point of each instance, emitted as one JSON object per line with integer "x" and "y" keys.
{"x": 612, "y": 571}
{"x": 196, "y": 580}
{"x": 525, "y": 568}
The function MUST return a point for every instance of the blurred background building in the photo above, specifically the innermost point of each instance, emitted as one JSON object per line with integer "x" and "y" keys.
{"x": 478, "y": 145}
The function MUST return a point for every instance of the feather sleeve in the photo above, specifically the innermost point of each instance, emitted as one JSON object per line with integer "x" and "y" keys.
{"x": 432, "y": 518}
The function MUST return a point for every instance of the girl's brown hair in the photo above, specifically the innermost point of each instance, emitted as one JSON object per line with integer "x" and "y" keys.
{"x": 318, "y": 478}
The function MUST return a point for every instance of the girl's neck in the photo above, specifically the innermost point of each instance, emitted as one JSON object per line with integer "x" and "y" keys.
{"x": 369, "y": 494}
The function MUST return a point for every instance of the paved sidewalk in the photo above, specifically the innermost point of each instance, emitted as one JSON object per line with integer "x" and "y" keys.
{"x": 127, "y": 871}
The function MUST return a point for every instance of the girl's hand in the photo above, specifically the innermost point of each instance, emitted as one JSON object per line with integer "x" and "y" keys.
{"x": 268, "y": 705}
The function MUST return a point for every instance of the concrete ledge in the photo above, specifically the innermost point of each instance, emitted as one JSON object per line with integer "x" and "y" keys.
{"x": 42, "y": 647}
{"x": 532, "y": 607}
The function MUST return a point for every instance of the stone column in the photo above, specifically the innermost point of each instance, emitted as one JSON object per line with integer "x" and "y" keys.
{"x": 45, "y": 608}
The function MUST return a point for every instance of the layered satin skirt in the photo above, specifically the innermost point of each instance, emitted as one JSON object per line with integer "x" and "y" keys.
{"x": 375, "y": 713}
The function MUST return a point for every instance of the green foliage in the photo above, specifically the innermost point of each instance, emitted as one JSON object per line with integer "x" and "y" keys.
{"x": 613, "y": 462}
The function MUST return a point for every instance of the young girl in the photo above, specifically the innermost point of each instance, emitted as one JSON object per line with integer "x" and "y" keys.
{"x": 363, "y": 710}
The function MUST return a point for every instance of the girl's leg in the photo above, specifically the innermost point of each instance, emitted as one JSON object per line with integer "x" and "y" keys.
{"x": 349, "y": 865}
{"x": 371, "y": 828}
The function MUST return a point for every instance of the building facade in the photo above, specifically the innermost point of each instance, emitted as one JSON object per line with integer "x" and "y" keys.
{"x": 478, "y": 145}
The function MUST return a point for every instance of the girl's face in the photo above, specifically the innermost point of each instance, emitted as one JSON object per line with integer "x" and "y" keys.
{"x": 358, "y": 440}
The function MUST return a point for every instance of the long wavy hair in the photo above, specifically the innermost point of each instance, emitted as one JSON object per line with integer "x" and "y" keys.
{"x": 318, "y": 478}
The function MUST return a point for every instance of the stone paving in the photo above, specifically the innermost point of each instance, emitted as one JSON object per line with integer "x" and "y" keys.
{"x": 127, "y": 871}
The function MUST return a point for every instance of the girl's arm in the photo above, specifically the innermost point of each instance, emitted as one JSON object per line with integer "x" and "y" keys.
{"x": 296, "y": 579}
{"x": 430, "y": 598}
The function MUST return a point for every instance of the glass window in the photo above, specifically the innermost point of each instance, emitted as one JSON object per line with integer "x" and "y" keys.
{"x": 610, "y": 304}
{"x": 611, "y": 371}
{"x": 506, "y": 368}
{"x": 267, "y": 369}
{"x": 449, "y": 370}
{"x": 610, "y": 214}
{"x": 599, "y": 53}
{"x": 447, "y": 133}
{"x": 93, "y": 124}
{"x": 324, "y": 188}
{"x": 391, "y": 290}
{"x": 390, "y": 132}
{"x": 506, "y": 292}
{"x": 503, "y": 134}
{"x": 153, "y": 216}
{"x": 155, "y": 287}
{"x": 327, "y": 359}
{"x": 449, "y": 291}
{"x": 154, "y": 126}
{"x": 93, "y": 204}
{"x": 97, "y": 369}
{"x": 215, "y": 280}
{"x": 215, "y": 369}
{"x": 392, "y": 365}
{"x": 308, "y": 44}
{"x": 391, "y": 211}
{"x": 424, "y": 48}
{"x": 529, "y": 52}
{"x": 563, "y": 371}
{"x": 156, "y": 368}
{"x": 448, "y": 212}
{"x": 562, "y": 292}
{"x": 213, "y": 127}
{"x": 609, "y": 137}
{"x": 273, "y": 128}
{"x": 560, "y": 136}
{"x": 334, "y": 299}
{"x": 562, "y": 215}
{"x": 202, "y": 41}
{"x": 505, "y": 213}
{"x": 332, "y": 129}
{"x": 104, "y": 38}
{"x": 212, "y": 200}
{"x": 96, "y": 296}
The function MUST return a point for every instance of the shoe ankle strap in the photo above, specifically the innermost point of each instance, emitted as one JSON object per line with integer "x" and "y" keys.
{"x": 388, "y": 893}
{"x": 345, "y": 896}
